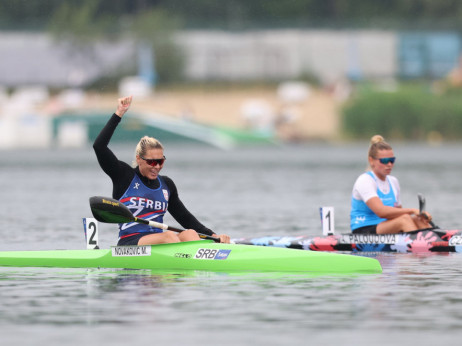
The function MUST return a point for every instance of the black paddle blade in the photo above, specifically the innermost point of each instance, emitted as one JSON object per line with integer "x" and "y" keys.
{"x": 109, "y": 210}
{"x": 421, "y": 202}
{"x": 422, "y": 208}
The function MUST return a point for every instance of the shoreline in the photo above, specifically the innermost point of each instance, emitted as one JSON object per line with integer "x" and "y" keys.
{"x": 315, "y": 118}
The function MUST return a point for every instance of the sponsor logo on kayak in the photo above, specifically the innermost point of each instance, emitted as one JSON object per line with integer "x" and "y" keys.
{"x": 222, "y": 254}
{"x": 368, "y": 239}
{"x": 183, "y": 255}
{"x": 212, "y": 254}
{"x": 455, "y": 240}
{"x": 119, "y": 251}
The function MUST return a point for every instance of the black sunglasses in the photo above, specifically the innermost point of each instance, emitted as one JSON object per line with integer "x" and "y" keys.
{"x": 154, "y": 162}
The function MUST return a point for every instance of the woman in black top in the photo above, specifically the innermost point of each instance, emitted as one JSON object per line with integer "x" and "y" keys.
{"x": 143, "y": 190}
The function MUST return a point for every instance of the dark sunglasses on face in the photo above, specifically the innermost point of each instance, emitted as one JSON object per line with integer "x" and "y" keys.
{"x": 154, "y": 162}
{"x": 387, "y": 160}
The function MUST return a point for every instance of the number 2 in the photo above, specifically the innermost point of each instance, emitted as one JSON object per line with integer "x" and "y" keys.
{"x": 92, "y": 228}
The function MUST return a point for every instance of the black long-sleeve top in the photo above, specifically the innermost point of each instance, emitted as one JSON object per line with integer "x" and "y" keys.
{"x": 122, "y": 174}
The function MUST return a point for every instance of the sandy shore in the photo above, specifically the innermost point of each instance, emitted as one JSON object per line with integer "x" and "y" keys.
{"x": 316, "y": 117}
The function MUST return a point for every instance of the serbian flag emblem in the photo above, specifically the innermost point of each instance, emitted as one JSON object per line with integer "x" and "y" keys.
{"x": 165, "y": 194}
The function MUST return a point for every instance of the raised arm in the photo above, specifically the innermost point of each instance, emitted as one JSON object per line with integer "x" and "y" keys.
{"x": 123, "y": 104}
{"x": 106, "y": 158}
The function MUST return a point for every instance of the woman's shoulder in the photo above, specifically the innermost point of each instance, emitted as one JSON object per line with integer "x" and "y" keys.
{"x": 365, "y": 177}
{"x": 166, "y": 178}
{"x": 168, "y": 181}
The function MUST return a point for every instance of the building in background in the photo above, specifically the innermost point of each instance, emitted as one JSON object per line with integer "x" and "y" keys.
{"x": 328, "y": 55}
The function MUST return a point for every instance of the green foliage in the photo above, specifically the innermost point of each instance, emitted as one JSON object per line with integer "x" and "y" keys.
{"x": 80, "y": 24}
{"x": 157, "y": 28}
{"x": 240, "y": 14}
{"x": 411, "y": 113}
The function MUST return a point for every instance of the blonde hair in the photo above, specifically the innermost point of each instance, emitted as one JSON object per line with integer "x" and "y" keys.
{"x": 378, "y": 143}
{"x": 144, "y": 145}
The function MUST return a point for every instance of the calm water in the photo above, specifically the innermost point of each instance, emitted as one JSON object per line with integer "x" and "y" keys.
{"x": 245, "y": 192}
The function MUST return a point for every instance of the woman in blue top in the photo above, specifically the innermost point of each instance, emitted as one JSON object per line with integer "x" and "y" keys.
{"x": 143, "y": 190}
{"x": 376, "y": 203}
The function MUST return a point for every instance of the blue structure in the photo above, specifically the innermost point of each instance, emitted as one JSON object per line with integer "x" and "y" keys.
{"x": 428, "y": 55}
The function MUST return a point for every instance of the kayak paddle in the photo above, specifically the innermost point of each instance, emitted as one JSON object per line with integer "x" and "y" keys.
{"x": 109, "y": 210}
{"x": 422, "y": 208}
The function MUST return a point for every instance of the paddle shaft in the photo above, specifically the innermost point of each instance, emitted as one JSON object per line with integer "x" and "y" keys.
{"x": 109, "y": 210}
{"x": 170, "y": 228}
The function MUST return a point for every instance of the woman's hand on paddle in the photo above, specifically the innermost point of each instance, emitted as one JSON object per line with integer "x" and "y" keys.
{"x": 223, "y": 238}
{"x": 426, "y": 216}
{"x": 123, "y": 104}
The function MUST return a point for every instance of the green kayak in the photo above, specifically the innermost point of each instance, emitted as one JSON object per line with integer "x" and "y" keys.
{"x": 197, "y": 255}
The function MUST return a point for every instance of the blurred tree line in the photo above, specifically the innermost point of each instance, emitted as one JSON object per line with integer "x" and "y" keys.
{"x": 240, "y": 14}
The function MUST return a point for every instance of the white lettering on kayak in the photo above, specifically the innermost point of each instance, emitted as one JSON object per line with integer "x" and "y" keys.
{"x": 368, "y": 239}
{"x": 212, "y": 254}
{"x": 118, "y": 251}
{"x": 455, "y": 240}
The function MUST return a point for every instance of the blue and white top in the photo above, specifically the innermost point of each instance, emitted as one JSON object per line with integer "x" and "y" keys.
{"x": 145, "y": 203}
{"x": 367, "y": 186}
